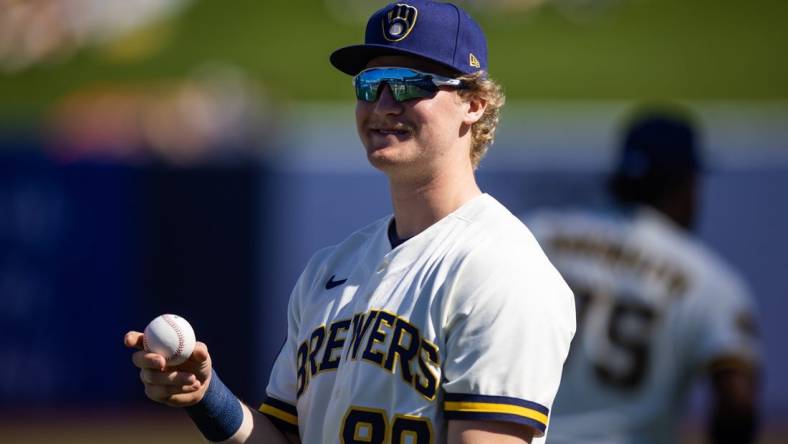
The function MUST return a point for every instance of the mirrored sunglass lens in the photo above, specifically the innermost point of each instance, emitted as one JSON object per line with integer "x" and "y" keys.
{"x": 411, "y": 90}
{"x": 405, "y": 84}
{"x": 367, "y": 91}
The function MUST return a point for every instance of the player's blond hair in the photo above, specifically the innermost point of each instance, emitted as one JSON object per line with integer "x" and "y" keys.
{"x": 483, "y": 131}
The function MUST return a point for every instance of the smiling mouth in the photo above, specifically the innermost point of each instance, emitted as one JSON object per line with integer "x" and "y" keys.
{"x": 390, "y": 131}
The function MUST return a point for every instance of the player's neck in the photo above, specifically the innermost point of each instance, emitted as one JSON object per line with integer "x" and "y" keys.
{"x": 419, "y": 204}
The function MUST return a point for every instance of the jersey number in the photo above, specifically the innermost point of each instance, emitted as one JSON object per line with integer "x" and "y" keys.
{"x": 627, "y": 329}
{"x": 371, "y": 426}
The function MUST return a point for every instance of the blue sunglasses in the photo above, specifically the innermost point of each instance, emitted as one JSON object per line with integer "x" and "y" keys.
{"x": 405, "y": 83}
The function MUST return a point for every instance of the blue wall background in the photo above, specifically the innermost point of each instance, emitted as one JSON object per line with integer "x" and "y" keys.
{"x": 91, "y": 250}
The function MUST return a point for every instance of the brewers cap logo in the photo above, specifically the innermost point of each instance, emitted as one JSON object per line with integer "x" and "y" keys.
{"x": 399, "y": 22}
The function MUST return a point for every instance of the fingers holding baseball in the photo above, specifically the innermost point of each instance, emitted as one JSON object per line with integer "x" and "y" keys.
{"x": 174, "y": 395}
{"x": 147, "y": 360}
{"x": 184, "y": 380}
{"x": 174, "y": 368}
{"x": 172, "y": 387}
{"x": 141, "y": 358}
{"x": 199, "y": 362}
{"x": 177, "y": 386}
{"x": 133, "y": 339}
{"x": 200, "y": 354}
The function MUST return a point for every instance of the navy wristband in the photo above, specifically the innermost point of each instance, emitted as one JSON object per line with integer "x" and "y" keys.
{"x": 219, "y": 414}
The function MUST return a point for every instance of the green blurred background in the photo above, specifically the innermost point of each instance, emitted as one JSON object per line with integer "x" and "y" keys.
{"x": 581, "y": 49}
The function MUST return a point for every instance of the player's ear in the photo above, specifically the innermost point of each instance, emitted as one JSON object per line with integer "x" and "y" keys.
{"x": 475, "y": 106}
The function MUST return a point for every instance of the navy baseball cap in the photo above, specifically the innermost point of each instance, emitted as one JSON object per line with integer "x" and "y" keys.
{"x": 435, "y": 31}
{"x": 659, "y": 143}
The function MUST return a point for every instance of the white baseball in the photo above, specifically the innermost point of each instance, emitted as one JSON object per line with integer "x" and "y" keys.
{"x": 170, "y": 336}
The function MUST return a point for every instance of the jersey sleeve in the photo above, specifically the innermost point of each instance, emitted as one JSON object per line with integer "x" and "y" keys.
{"x": 279, "y": 404}
{"x": 726, "y": 317}
{"x": 508, "y": 324}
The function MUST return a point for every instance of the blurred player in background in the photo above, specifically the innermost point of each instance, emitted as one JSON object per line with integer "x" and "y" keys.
{"x": 442, "y": 323}
{"x": 655, "y": 308}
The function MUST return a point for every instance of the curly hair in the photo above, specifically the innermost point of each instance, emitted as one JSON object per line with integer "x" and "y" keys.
{"x": 483, "y": 131}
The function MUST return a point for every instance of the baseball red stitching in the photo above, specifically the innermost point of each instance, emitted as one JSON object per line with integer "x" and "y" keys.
{"x": 178, "y": 331}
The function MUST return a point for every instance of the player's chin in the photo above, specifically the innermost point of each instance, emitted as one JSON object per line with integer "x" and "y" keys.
{"x": 383, "y": 158}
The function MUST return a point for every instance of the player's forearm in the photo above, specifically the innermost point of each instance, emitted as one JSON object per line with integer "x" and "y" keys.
{"x": 734, "y": 417}
{"x": 488, "y": 432}
{"x": 733, "y": 426}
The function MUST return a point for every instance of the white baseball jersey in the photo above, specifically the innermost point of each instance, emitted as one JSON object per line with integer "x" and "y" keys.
{"x": 655, "y": 308}
{"x": 466, "y": 320}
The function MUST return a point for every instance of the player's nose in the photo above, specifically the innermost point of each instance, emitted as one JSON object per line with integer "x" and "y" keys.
{"x": 386, "y": 103}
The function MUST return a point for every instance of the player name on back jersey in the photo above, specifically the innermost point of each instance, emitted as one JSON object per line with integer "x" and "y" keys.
{"x": 466, "y": 320}
{"x": 654, "y": 308}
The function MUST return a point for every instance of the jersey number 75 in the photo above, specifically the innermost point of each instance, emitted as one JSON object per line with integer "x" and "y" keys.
{"x": 620, "y": 351}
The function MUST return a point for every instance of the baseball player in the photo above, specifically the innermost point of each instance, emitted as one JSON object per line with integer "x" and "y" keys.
{"x": 444, "y": 322}
{"x": 655, "y": 308}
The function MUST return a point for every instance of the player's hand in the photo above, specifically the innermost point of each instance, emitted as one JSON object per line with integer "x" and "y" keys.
{"x": 179, "y": 386}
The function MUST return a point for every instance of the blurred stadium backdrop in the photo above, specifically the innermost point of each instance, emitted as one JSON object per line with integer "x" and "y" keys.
{"x": 188, "y": 156}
